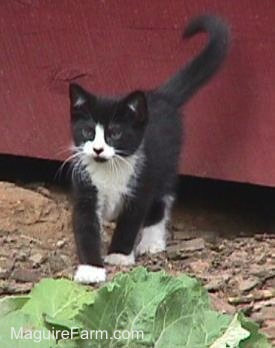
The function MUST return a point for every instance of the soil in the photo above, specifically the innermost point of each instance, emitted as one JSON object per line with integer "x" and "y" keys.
{"x": 238, "y": 270}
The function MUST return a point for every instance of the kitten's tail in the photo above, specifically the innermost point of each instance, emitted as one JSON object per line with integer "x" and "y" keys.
{"x": 181, "y": 87}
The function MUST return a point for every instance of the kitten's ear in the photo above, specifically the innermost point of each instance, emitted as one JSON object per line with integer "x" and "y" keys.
{"x": 137, "y": 104}
{"x": 78, "y": 95}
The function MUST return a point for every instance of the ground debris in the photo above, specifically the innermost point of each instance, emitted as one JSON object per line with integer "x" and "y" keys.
{"x": 36, "y": 241}
{"x": 256, "y": 296}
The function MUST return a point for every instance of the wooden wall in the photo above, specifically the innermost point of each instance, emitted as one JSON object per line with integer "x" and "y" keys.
{"x": 113, "y": 46}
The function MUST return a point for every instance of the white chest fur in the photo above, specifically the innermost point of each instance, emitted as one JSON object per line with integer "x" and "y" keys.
{"x": 114, "y": 181}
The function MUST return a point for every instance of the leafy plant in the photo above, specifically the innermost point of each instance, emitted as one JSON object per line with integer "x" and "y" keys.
{"x": 156, "y": 309}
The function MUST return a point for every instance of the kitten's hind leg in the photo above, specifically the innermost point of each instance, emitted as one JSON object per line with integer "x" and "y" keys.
{"x": 154, "y": 233}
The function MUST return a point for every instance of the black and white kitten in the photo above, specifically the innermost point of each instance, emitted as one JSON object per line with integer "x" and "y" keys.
{"x": 126, "y": 158}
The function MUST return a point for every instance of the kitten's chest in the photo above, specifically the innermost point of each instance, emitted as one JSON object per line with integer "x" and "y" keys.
{"x": 110, "y": 195}
{"x": 112, "y": 188}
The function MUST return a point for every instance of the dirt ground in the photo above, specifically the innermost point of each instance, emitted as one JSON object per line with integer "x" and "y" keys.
{"x": 239, "y": 271}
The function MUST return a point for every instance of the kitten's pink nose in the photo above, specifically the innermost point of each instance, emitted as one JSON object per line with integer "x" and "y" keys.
{"x": 98, "y": 151}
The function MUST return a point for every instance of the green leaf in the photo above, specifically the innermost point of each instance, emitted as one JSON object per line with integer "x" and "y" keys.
{"x": 233, "y": 335}
{"x": 130, "y": 303}
{"x": 183, "y": 320}
{"x": 256, "y": 338}
{"x": 18, "y": 330}
{"x": 165, "y": 311}
{"x": 59, "y": 300}
{"x": 10, "y": 304}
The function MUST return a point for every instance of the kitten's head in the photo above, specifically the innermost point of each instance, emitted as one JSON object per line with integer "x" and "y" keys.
{"x": 104, "y": 128}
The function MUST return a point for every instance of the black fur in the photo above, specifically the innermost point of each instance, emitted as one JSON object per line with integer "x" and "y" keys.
{"x": 153, "y": 121}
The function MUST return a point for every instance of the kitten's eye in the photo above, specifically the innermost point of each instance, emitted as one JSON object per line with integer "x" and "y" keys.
{"x": 115, "y": 133}
{"x": 88, "y": 133}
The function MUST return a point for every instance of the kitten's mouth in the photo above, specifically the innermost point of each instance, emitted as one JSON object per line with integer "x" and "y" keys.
{"x": 100, "y": 159}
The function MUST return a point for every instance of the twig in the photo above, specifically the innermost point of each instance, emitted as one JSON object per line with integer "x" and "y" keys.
{"x": 257, "y": 296}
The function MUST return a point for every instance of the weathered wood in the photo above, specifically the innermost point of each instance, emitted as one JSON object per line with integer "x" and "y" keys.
{"x": 116, "y": 45}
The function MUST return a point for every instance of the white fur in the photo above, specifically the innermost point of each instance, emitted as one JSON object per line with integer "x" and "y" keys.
{"x": 114, "y": 181}
{"x": 87, "y": 274}
{"x": 98, "y": 143}
{"x": 88, "y": 148}
{"x": 153, "y": 238}
{"x": 120, "y": 259}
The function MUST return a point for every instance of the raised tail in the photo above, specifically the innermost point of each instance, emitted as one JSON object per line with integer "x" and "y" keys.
{"x": 181, "y": 87}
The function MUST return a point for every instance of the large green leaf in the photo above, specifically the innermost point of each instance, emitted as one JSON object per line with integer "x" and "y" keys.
{"x": 19, "y": 330}
{"x": 165, "y": 311}
{"x": 10, "y": 304}
{"x": 131, "y": 301}
{"x": 183, "y": 320}
{"x": 232, "y": 336}
{"x": 59, "y": 300}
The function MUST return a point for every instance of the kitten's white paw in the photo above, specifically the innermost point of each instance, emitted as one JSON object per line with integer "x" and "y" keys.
{"x": 120, "y": 259}
{"x": 147, "y": 247}
{"x": 87, "y": 274}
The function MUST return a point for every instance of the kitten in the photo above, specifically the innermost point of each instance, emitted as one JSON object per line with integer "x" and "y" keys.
{"x": 126, "y": 158}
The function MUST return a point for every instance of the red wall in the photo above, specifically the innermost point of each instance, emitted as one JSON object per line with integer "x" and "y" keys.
{"x": 117, "y": 45}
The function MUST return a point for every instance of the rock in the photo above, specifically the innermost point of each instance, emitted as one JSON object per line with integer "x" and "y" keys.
{"x": 192, "y": 245}
{"x": 261, "y": 258}
{"x": 265, "y": 313}
{"x": 221, "y": 305}
{"x": 174, "y": 253}
{"x": 216, "y": 283}
{"x": 3, "y": 286}
{"x": 57, "y": 263}
{"x": 37, "y": 259}
{"x": 60, "y": 243}
{"x": 269, "y": 330}
{"x": 177, "y": 250}
{"x": 6, "y": 266}
{"x": 25, "y": 275}
{"x": 22, "y": 255}
{"x": 265, "y": 303}
{"x": 18, "y": 288}
{"x": 248, "y": 284}
{"x": 199, "y": 266}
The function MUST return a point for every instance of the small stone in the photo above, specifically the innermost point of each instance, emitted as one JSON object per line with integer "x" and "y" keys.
{"x": 22, "y": 255}
{"x": 177, "y": 251}
{"x": 18, "y": 288}
{"x": 192, "y": 245}
{"x": 6, "y": 266}
{"x": 260, "y": 259}
{"x": 25, "y": 275}
{"x": 215, "y": 284}
{"x": 60, "y": 243}
{"x": 199, "y": 266}
{"x": 37, "y": 259}
{"x": 269, "y": 330}
{"x": 3, "y": 286}
{"x": 57, "y": 263}
{"x": 265, "y": 313}
{"x": 221, "y": 305}
{"x": 248, "y": 284}
{"x": 174, "y": 253}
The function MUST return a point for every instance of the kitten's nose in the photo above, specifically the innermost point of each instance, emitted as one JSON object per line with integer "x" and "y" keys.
{"x": 98, "y": 151}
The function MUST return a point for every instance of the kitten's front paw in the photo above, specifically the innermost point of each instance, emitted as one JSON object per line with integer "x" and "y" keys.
{"x": 87, "y": 274}
{"x": 120, "y": 259}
